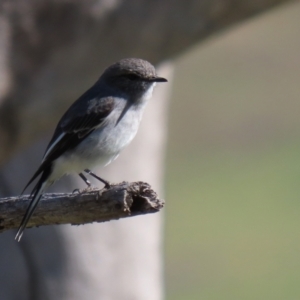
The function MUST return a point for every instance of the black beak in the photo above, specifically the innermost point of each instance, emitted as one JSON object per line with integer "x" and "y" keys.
{"x": 158, "y": 79}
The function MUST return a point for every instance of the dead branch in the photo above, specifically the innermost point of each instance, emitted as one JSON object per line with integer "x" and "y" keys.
{"x": 120, "y": 201}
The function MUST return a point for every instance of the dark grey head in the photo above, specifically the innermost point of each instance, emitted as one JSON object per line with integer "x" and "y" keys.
{"x": 133, "y": 76}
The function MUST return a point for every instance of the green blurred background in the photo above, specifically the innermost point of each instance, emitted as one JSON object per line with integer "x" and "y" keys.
{"x": 233, "y": 164}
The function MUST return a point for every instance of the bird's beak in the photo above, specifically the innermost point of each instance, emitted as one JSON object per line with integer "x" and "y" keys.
{"x": 158, "y": 79}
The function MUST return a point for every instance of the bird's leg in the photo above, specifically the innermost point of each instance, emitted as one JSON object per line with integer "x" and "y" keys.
{"x": 106, "y": 183}
{"x": 85, "y": 180}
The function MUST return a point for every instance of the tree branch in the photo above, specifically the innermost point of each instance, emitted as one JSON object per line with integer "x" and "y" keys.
{"x": 120, "y": 201}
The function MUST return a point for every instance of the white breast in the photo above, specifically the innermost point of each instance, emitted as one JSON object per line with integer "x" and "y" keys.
{"x": 149, "y": 92}
{"x": 104, "y": 144}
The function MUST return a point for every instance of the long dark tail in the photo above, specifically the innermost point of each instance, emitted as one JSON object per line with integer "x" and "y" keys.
{"x": 36, "y": 195}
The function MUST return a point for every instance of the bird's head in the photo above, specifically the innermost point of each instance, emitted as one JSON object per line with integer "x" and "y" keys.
{"x": 132, "y": 76}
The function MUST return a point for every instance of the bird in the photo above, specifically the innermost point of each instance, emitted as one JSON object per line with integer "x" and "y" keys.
{"x": 95, "y": 128}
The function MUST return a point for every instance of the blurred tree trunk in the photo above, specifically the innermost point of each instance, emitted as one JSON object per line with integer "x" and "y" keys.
{"x": 50, "y": 53}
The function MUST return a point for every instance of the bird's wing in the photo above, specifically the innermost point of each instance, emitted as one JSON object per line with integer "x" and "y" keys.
{"x": 74, "y": 126}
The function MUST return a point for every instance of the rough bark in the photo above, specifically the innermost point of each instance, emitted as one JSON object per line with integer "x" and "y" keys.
{"x": 119, "y": 201}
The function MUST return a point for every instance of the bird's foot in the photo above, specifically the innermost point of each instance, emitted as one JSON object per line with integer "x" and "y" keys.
{"x": 107, "y": 185}
{"x": 87, "y": 189}
{"x": 76, "y": 191}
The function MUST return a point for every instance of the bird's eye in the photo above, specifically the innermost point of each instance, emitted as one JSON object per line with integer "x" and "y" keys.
{"x": 132, "y": 76}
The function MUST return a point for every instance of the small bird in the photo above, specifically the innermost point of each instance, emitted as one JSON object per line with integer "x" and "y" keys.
{"x": 96, "y": 127}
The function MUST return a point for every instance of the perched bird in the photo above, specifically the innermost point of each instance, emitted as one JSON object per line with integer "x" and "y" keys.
{"x": 96, "y": 127}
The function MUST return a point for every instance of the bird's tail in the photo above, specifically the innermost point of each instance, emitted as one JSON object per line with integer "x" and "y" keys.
{"x": 36, "y": 195}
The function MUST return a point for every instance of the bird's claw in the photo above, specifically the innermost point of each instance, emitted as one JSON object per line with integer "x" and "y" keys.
{"x": 107, "y": 185}
{"x": 77, "y": 191}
